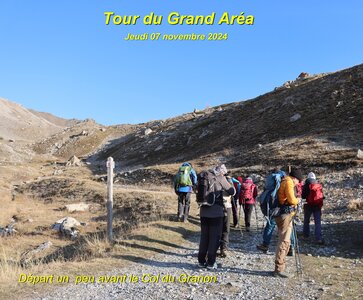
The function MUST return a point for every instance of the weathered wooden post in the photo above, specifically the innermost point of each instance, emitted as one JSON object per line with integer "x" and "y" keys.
{"x": 110, "y": 166}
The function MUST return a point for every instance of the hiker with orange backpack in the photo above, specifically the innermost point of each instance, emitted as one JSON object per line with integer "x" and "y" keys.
{"x": 284, "y": 219}
{"x": 313, "y": 193}
{"x": 247, "y": 199}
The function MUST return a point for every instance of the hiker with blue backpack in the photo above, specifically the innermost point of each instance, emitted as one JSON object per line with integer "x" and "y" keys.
{"x": 184, "y": 181}
{"x": 268, "y": 201}
{"x": 313, "y": 193}
{"x": 287, "y": 208}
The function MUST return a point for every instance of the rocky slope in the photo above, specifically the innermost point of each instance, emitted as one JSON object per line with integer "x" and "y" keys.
{"x": 17, "y": 122}
{"x": 321, "y": 114}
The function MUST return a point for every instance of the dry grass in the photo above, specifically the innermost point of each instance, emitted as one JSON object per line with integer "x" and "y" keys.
{"x": 95, "y": 256}
{"x": 340, "y": 279}
{"x": 355, "y": 204}
{"x": 91, "y": 253}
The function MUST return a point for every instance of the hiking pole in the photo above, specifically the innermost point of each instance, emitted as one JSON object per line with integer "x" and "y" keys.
{"x": 299, "y": 270}
{"x": 239, "y": 221}
{"x": 256, "y": 217}
{"x": 234, "y": 214}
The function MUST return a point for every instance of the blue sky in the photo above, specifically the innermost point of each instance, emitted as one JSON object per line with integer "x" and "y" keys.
{"x": 59, "y": 56}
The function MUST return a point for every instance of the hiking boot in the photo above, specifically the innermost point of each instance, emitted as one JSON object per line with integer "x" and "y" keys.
{"x": 282, "y": 274}
{"x": 223, "y": 253}
{"x": 213, "y": 267}
{"x": 291, "y": 252}
{"x": 262, "y": 247}
{"x": 202, "y": 265}
{"x": 320, "y": 242}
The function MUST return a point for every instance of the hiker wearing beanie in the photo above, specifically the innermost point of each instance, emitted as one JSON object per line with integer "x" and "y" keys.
{"x": 211, "y": 218}
{"x": 288, "y": 204}
{"x": 247, "y": 199}
{"x": 184, "y": 181}
{"x": 313, "y": 193}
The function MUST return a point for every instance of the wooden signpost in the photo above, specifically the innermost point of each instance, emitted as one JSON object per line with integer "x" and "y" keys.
{"x": 110, "y": 166}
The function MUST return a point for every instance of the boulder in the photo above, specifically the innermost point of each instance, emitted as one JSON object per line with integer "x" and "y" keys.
{"x": 77, "y": 207}
{"x": 295, "y": 117}
{"x": 158, "y": 148}
{"x": 303, "y": 75}
{"x": 148, "y": 131}
{"x": 360, "y": 154}
{"x": 8, "y": 230}
{"x": 67, "y": 227}
{"x": 74, "y": 161}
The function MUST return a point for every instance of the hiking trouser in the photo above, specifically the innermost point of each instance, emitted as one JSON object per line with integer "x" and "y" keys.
{"x": 268, "y": 231}
{"x": 316, "y": 212}
{"x": 226, "y": 229}
{"x": 248, "y": 208}
{"x": 234, "y": 211}
{"x": 183, "y": 205}
{"x": 284, "y": 227}
{"x": 211, "y": 231}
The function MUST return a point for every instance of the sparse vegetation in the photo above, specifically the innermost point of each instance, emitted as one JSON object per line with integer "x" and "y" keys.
{"x": 356, "y": 204}
{"x": 253, "y": 138}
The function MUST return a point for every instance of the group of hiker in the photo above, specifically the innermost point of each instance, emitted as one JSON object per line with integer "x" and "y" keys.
{"x": 222, "y": 199}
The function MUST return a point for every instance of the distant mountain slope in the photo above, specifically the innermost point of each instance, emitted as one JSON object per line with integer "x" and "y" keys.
{"x": 54, "y": 119}
{"x": 322, "y": 114}
{"x": 17, "y": 122}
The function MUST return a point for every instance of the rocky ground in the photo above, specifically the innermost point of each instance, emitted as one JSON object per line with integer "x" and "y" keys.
{"x": 244, "y": 274}
{"x": 313, "y": 123}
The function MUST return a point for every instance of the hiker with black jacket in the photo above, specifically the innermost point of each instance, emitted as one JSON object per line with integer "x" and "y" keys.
{"x": 312, "y": 192}
{"x": 211, "y": 219}
{"x": 227, "y": 209}
{"x": 288, "y": 207}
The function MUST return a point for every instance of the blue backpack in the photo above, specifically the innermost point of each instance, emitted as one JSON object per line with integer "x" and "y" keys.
{"x": 268, "y": 199}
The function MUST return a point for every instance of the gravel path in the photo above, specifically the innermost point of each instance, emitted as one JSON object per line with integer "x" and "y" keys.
{"x": 244, "y": 274}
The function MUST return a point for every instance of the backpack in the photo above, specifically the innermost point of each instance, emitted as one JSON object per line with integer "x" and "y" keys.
{"x": 316, "y": 196}
{"x": 205, "y": 189}
{"x": 246, "y": 192}
{"x": 269, "y": 202}
{"x": 183, "y": 176}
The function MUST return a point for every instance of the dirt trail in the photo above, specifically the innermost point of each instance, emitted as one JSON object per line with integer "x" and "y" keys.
{"x": 244, "y": 274}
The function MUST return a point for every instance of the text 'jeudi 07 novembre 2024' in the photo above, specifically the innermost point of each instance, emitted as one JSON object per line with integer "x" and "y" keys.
{"x": 175, "y": 18}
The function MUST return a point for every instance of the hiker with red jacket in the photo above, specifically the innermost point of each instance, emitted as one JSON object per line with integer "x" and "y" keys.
{"x": 299, "y": 188}
{"x": 313, "y": 193}
{"x": 247, "y": 199}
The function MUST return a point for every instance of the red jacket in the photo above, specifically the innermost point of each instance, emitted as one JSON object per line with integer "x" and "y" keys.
{"x": 248, "y": 192}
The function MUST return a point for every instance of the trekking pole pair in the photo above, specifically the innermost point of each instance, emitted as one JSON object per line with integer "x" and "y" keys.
{"x": 299, "y": 269}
